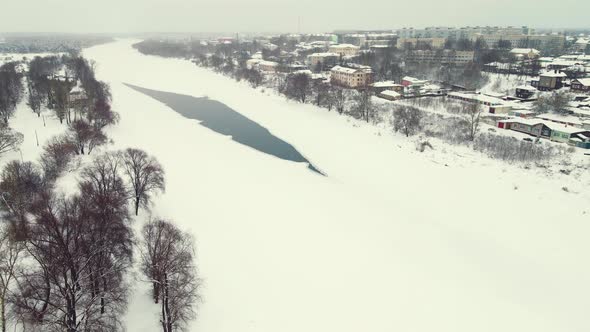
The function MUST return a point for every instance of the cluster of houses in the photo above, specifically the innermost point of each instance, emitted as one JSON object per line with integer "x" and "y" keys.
{"x": 328, "y": 56}
{"x": 552, "y": 130}
{"x": 517, "y": 115}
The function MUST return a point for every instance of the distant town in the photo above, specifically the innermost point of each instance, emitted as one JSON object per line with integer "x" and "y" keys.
{"x": 526, "y": 81}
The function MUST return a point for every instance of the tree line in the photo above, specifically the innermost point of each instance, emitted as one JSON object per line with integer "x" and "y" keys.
{"x": 66, "y": 258}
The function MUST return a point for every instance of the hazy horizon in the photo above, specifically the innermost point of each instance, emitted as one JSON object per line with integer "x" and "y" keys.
{"x": 225, "y": 16}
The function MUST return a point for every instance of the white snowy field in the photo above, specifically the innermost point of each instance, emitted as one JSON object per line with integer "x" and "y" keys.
{"x": 391, "y": 240}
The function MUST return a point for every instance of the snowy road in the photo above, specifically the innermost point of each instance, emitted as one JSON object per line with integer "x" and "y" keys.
{"x": 392, "y": 240}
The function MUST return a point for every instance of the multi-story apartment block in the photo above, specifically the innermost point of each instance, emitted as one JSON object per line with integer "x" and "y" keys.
{"x": 552, "y": 43}
{"x": 357, "y": 77}
{"x": 413, "y": 42}
{"x": 322, "y": 60}
{"x": 442, "y": 56}
{"x": 460, "y": 33}
{"x": 345, "y": 49}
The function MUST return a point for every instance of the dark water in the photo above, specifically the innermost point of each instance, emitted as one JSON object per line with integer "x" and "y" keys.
{"x": 222, "y": 119}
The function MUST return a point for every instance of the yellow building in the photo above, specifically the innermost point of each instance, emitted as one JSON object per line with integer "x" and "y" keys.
{"x": 345, "y": 49}
{"x": 357, "y": 77}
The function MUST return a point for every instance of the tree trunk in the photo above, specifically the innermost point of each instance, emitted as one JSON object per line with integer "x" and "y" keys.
{"x": 102, "y": 297}
{"x": 136, "y": 205}
{"x": 3, "y": 314}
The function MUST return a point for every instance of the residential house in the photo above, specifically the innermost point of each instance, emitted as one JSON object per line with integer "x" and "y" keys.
{"x": 531, "y": 127}
{"x": 412, "y": 81}
{"x": 525, "y": 91}
{"x": 556, "y": 132}
{"x": 522, "y": 113}
{"x": 379, "y": 87}
{"x": 390, "y": 95}
{"x": 413, "y": 86}
{"x": 268, "y": 66}
{"x": 581, "y": 84}
{"x": 567, "y": 120}
{"x": 550, "y": 80}
{"x": 493, "y": 104}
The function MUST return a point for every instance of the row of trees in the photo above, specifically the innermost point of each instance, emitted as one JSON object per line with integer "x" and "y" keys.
{"x": 11, "y": 89}
{"x": 74, "y": 252}
{"x": 65, "y": 259}
{"x": 11, "y": 93}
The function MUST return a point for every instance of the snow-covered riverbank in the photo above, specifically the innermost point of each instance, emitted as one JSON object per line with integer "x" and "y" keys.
{"x": 391, "y": 240}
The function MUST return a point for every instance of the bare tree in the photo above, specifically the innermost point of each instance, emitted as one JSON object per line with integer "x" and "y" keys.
{"x": 145, "y": 175}
{"x": 11, "y": 88}
{"x": 340, "y": 97}
{"x": 407, "y": 119}
{"x": 167, "y": 259}
{"x": 472, "y": 115}
{"x": 298, "y": 86}
{"x": 9, "y": 139}
{"x": 20, "y": 183}
{"x": 556, "y": 102}
{"x": 59, "y": 294}
{"x": 85, "y": 136}
{"x": 60, "y": 92}
{"x": 10, "y": 251}
{"x": 56, "y": 156}
{"x": 321, "y": 90}
{"x": 35, "y": 97}
{"x": 104, "y": 201}
{"x": 364, "y": 108}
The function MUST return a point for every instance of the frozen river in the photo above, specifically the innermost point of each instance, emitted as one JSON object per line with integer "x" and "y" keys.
{"x": 391, "y": 240}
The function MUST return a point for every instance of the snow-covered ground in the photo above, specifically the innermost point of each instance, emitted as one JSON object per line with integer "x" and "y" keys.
{"x": 391, "y": 240}
{"x": 502, "y": 83}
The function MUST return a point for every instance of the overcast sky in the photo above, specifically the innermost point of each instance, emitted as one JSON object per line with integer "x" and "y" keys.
{"x": 281, "y": 15}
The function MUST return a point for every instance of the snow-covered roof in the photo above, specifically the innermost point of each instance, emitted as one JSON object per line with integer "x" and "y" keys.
{"x": 390, "y": 93}
{"x": 478, "y": 97}
{"x": 553, "y": 74}
{"x": 584, "y": 81}
{"x": 324, "y": 54}
{"x": 268, "y": 63}
{"x": 551, "y": 125}
{"x": 414, "y": 80}
{"x": 524, "y": 51}
{"x": 522, "y": 111}
{"x": 563, "y": 63}
{"x": 560, "y": 118}
{"x": 346, "y": 69}
{"x": 384, "y": 84}
{"x": 526, "y": 87}
{"x": 344, "y": 46}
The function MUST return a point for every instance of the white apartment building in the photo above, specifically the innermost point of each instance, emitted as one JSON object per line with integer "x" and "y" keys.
{"x": 462, "y": 32}
{"x": 432, "y": 42}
